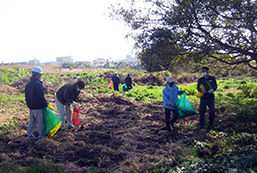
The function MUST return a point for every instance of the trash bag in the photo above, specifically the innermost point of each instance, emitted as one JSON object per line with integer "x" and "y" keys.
{"x": 124, "y": 87}
{"x": 184, "y": 107}
{"x": 200, "y": 94}
{"x": 75, "y": 115}
{"x": 51, "y": 122}
{"x": 110, "y": 84}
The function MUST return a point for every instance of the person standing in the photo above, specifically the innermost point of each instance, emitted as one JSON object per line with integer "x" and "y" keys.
{"x": 170, "y": 97}
{"x": 116, "y": 81}
{"x": 209, "y": 82}
{"x": 65, "y": 96}
{"x": 35, "y": 100}
{"x": 128, "y": 82}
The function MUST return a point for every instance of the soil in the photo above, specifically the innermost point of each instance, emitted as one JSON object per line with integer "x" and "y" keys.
{"x": 117, "y": 134}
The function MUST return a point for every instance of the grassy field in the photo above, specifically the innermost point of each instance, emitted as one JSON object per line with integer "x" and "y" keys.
{"x": 230, "y": 146}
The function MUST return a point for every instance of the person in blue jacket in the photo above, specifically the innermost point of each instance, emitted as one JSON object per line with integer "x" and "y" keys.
{"x": 209, "y": 82}
{"x": 35, "y": 100}
{"x": 170, "y": 97}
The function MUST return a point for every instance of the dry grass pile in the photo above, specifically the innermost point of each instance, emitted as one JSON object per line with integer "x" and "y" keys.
{"x": 6, "y": 89}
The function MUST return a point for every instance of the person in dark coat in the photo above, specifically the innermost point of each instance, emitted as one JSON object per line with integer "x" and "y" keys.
{"x": 209, "y": 82}
{"x": 116, "y": 81}
{"x": 35, "y": 100}
{"x": 128, "y": 82}
{"x": 65, "y": 96}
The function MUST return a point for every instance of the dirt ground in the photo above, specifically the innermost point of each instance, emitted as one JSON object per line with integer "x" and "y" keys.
{"x": 117, "y": 135}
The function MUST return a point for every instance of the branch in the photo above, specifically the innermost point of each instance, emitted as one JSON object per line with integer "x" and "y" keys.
{"x": 255, "y": 68}
{"x": 232, "y": 63}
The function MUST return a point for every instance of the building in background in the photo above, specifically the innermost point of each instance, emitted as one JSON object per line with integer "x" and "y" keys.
{"x": 35, "y": 61}
{"x": 63, "y": 59}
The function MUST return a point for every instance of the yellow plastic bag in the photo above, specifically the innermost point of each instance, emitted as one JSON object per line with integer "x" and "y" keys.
{"x": 200, "y": 94}
{"x": 51, "y": 122}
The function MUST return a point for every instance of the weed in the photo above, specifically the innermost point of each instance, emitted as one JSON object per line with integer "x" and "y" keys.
{"x": 6, "y": 128}
{"x": 42, "y": 168}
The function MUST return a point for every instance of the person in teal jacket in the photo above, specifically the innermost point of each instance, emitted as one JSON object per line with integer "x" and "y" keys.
{"x": 170, "y": 97}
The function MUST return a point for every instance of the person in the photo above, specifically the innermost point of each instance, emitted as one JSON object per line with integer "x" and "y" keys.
{"x": 128, "y": 82}
{"x": 209, "y": 82}
{"x": 170, "y": 97}
{"x": 116, "y": 81}
{"x": 35, "y": 100}
{"x": 64, "y": 97}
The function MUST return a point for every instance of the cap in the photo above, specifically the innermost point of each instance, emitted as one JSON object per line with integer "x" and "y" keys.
{"x": 169, "y": 79}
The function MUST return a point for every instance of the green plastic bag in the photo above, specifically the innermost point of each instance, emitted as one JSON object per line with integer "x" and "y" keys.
{"x": 51, "y": 122}
{"x": 184, "y": 107}
{"x": 124, "y": 87}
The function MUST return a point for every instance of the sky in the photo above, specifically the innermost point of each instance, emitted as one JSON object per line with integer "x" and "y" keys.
{"x": 46, "y": 29}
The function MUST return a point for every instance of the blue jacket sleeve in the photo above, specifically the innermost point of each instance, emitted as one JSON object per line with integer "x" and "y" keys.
{"x": 165, "y": 98}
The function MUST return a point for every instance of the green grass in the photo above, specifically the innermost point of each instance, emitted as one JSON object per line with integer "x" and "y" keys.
{"x": 42, "y": 168}
{"x": 13, "y": 74}
{"x": 236, "y": 96}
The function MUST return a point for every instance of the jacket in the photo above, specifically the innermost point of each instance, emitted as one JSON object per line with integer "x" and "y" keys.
{"x": 170, "y": 96}
{"x": 67, "y": 93}
{"x": 34, "y": 94}
{"x": 128, "y": 80}
{"x": 212, "y": 82}
{"x": 115, "y": 79}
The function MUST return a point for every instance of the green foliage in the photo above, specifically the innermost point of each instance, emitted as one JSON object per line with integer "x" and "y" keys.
{"x": 6, "y": 128}
{"x": 42, "y": 168}
{"x": 145, "y": 93}
{"x": 249, "y": 90}
{"x": 161, "y": 167}
{"x": 173, "y": 31}
{"x": 189, "y": 89}
{"x": 13, "y": 74}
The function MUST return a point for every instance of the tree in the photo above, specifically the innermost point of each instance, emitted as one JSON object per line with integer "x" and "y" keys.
{"x": 223, "y": 30}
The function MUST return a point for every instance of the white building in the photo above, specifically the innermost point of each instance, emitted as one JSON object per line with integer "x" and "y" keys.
{"x": 33, "y": 62}
{"x": 64, "y": 59}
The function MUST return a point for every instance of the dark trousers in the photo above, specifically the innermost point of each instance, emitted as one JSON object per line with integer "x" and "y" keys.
{"x": 116, "y": 86}
{"x": 202, "y": 110}
{"x": 167, "y": 117}
{"x": 129, "y": 86}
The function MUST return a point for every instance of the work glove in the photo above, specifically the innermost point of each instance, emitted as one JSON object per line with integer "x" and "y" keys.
{"x": 74, "y": 103}
{"x": 210, "y": 91}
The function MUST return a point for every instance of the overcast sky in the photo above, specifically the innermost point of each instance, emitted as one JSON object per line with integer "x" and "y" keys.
{"x": 46, "y": 29}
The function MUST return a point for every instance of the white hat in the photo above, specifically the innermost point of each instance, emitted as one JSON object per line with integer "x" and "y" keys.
{"x": 169, "y": 79}
{"x": 37, "y": 69}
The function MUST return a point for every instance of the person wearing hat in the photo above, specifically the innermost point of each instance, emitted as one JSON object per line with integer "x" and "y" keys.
{"x": 170, "y": 97}
{"x": 35, "y": 100}
{"x": 128, "y": 82}
{"x": 116, "y": 81}
{"x": 64, "y": 97}
{"x": 210, "y": 85}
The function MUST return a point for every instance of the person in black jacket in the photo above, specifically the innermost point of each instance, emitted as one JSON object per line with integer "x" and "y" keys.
{"x": 65, "y": 96}
{"x": 210, "y": 85}
{"x": 116, "y": 81}
{"x": 128, "y": 82}
{"x": 35, "y": 100}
